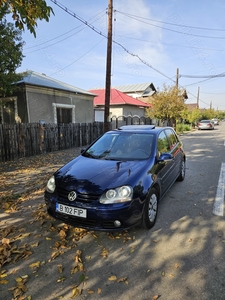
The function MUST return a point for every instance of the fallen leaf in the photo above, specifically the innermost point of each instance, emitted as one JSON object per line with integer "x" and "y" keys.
{"x": 155, "y": 297}
{"x": 112, "y": 278}
{"x": 60, "y": 279}
{"x": 122, "y": 279}
{"x": 60, "y": 268}
{"x": 4, "y": 281}
{"x": 62, "y": 234}
{"x": 19, "y": 279}
{"x": 75, "y": 292}
{"x": 34, "y": 245}
{"x": 91, "y": 292}
{"x": 81, "y": 278}
{"x": 54, "y": 255}
{"x": 35, "y": 265}
{"x": 5, "y": 241}
{"x": 104, "y": 253}
{"x": 99, "y": 291}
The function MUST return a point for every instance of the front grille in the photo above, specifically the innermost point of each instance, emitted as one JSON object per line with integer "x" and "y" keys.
{"x": 109, "y": 225}
{"x": 88, "y": 198}
{"x": 75, "y": 221}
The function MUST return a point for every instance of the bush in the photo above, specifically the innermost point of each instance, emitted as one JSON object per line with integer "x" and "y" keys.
{"x": 180, "y": 128}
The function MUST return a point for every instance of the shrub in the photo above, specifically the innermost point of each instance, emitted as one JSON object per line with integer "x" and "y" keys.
{"x": 180, "y": 128}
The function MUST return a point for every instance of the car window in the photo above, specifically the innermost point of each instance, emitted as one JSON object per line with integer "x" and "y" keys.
{"x": 163, "y": 143}
{"x": 173, "y": 140}
{"x": 121, "y": 146}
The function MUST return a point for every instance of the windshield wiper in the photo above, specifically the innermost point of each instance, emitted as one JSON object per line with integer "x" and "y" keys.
{"x": 86, "y": 154}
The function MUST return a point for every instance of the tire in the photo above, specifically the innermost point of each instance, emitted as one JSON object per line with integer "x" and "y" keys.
{"x": 150, "y": 209}
{"x": 182, "y": 171}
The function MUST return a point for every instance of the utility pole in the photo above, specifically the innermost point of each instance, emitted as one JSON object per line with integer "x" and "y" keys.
{"x": 198, "y": 97}
{"x": 177, "y": 78}
{"x": 108, "y": 67}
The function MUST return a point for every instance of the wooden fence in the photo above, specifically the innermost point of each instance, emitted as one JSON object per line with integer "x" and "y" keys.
{"x": 23, "y": 140}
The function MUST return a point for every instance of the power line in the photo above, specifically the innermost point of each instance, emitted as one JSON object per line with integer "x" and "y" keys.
{"x": 46, "y": 42}
{"x": 167, "y": 44}
{"x": 172, "y": 30}
{"x": 204, "y": 76}
{"x": 104, "y": 35}
{"x": 115, "y": 42}
{"x": 77, "y": 59}
{"x": 174, "y": 24}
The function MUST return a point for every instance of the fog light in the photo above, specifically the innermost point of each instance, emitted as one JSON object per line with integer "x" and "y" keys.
{"x": 117, "y": 223}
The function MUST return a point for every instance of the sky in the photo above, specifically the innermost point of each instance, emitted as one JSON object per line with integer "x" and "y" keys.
{"x": 153, "y": 41}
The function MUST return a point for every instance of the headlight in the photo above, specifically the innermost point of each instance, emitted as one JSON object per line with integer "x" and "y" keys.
{"x": 118, "y": 195}
{"x": 51, "y": 185}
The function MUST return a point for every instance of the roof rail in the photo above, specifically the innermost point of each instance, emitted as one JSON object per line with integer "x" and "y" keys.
{"x": 137, "y": 127}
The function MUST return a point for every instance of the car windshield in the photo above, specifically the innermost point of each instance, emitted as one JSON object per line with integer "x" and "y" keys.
{"x": 121, "y": 146}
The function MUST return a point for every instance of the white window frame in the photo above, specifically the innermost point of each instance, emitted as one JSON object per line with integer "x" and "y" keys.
{"x": 56, "y": 105}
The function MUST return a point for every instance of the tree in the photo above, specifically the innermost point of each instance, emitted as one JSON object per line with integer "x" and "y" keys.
{"x": 10, "y": 54}
{"x": 194, "y": 116}
{"x": 168, "y": 105}
{"x": 27, "y": 12}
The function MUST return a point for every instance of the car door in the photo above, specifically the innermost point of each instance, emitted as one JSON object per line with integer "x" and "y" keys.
{"x": 166, "y": 167}
{"x": 175, "y": 150}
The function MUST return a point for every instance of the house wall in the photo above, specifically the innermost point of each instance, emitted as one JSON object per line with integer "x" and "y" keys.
{"x": 125, "y": 110}
{"x": 116, "y": 111}
{"x": 42, "y": 104}
{"x": 133, "y": 110}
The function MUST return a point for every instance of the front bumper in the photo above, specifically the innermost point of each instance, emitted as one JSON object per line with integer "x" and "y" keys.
{"x": 99, "y": 217}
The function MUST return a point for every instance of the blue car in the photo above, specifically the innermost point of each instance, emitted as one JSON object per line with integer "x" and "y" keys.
{"x": 116, "y": 182}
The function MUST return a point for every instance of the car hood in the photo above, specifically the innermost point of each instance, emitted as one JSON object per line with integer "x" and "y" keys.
{"x": 93, "y": 175}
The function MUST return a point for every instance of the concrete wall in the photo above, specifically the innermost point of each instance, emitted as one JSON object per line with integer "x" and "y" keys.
{"x": 43, "y": 102}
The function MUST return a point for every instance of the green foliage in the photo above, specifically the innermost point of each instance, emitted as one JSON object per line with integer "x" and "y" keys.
{"x": 180, "y": 128}
{"x": 193, "y": 116}
{"x": 27, "y": 12}
{"x": 168, "y": 105}
{"x": 10, "y": 55}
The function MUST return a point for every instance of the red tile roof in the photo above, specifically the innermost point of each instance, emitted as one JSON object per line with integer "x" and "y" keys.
{"x": 116, "y": 98}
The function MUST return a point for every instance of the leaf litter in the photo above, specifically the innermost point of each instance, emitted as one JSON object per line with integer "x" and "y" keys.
{"x": 19, "y": 244}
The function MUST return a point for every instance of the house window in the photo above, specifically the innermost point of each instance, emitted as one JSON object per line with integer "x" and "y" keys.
{"x": 64, "y": 113}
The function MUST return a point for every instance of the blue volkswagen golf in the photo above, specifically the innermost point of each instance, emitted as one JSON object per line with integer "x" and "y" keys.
{"x": 116, "y": 182}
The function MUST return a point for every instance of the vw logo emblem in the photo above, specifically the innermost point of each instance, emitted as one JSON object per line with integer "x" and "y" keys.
{"x": 72, "y": 196}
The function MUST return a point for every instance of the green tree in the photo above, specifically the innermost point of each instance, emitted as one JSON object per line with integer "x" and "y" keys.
{"x": 10, "y": 54}
{"x": 27, "y": 12}
{"x": 168, "y": 105}
{"x": 194, "y": 116}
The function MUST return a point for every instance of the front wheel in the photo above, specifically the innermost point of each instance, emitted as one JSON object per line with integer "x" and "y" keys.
{"x": 182, "y": 171}
{"x": 150, "y": 209}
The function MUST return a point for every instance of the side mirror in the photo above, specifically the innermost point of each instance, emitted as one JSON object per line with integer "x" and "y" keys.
{"x": 165, "y": 157}
{"x": 82, "y": 150}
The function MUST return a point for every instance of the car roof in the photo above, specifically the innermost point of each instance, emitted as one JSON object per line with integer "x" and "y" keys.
{"x": 141, "y": 128}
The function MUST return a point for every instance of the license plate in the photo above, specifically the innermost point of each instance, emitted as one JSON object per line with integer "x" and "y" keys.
{"x": 72, "y": 211}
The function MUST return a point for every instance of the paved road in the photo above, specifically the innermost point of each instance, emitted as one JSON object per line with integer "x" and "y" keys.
{"x": 182, "y": 257}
